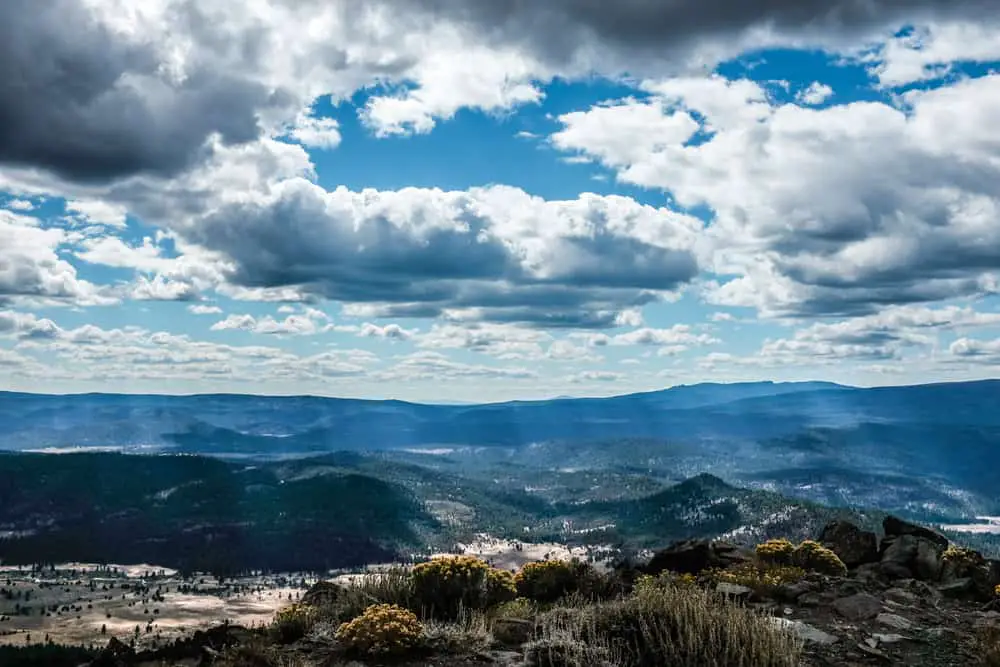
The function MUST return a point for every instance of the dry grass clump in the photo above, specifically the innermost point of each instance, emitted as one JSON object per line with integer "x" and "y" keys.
{"x": 471, "y": 632}
{"x": 662, "y": 624}
{"x": 383, "y": 629}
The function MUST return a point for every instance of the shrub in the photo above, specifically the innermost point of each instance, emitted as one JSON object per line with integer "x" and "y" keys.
{"x": 680, "y": 626}
{"x": 811, "y": 555}
{"x": 444, "y": 586}
{"x": 777, "y": 552}
{"x": 383, "y": 629}
{"x": 521, "y": 608}
{"x": 761, "y": 578}
{"x": 996, "y": 591}
{"x": 471, "y": 632}
{"x": 547, "y": 580}
{"x": 565, "y": 652}
{"x": 293, "y": 622}
{"x": 500, "y": 587}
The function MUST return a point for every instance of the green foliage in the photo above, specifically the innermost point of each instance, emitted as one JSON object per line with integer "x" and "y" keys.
{"x": 666, "y": 624}
{"x": 547, "y": 580}
{"x": 500, "y": 586}
{"x": 813, "y": 556}
{"x": 382, "y": 629}
{"x": 391, "y": 586}
{"x": 443, "y": 587}
{"x": 516, "y": 608}
{"x": 777, "y": 551}
{"x": 293, "y": 623}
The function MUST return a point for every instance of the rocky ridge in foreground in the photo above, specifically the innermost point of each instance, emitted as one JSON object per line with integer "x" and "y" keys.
{"x": 905, "y": 598}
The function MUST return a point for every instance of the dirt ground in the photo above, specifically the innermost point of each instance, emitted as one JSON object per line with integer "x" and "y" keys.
{"x": 71, "y": 604}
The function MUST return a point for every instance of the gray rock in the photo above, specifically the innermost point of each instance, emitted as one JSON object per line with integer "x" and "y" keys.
{"x": 791, "y": 592}
{"x": 858, "y": 607}
{"x": 895, "y": 570}
{"x": 804, "y": 631}
{"x": 810, "y": 600}
{"x": 894, "y": 527}
{"x": 927, "y": 563}
{"x": 890, "y": 638}
{"x": 854, "y": 546}
{"x": 733, "y": 590}
{"x": 960, "y": 588}
{"x": 912, "y": 554}
{"x": 894, "y": 621}
{"x": 900, "y": 596}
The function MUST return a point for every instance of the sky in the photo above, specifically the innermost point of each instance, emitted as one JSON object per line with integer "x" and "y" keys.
{"x": 467, "y": 201}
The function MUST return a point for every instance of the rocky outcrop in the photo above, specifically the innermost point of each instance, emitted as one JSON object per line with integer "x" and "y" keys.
{"x": 896, "y": 527}
{"x": 322, "y": 593}
{"x": 911, "y": 551}
{"x": 854, "y": 546}
{"x": 694, "y": 556}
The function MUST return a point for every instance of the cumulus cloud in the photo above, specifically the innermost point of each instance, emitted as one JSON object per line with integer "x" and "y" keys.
{"x": 387, "y": 332}
{"x": 204, "y": 309}
{"x": 294, "y": 325}
{"x": 19, "y": 205}
{"x": 492, "y": 254}
{"x": 31, "y": 268}
{"x": 815, "y": 94}
{"x": 802, "y": 226}
{"x": 98, "y": 212}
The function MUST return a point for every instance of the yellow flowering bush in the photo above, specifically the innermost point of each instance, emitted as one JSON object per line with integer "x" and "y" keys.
{"x": 546, "y": 581}
{"x": 761, "y": 578}
{"x": 813, "y": 556}
{"x": 293, "y": 622}
{"x": 996, "y": 590}
{"x": 778, "y": 551}
{"x": 382, "y": 629}
{"x": 444, "y": 586}
{"x": 500, "y": 586}
{"x": 961, "y": 559}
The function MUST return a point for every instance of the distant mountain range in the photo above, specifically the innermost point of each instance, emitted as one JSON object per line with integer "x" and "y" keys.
{"x": 930, "y": 451}
{"x": 337, "y": 510}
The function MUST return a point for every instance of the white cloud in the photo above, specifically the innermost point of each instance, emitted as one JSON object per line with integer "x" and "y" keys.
{"x": 98, "y": 212}
{"x": 815, "y": 94}
{"x": 931, "y": 50}
{"x": 316, "y": 132}
{"x": 387, "y": 332}
{"x": 434, "y": 366}
{"x": 204, "y": 309}
{"x": 19, "y": 205}
{"x": 32, "y": 270}
{"x": 801, "y": 225}
{"x": 595, "y": 376}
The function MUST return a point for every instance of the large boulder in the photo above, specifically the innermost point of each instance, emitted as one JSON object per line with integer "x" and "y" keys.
{"x": 854, "y": 546}
{"x": 908, "y": 555}
{"x": 895, "y": 527}
{"x": 695, "y": 556}
{"x": 858, "y": 607}
{"x": 322, "y": 594}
